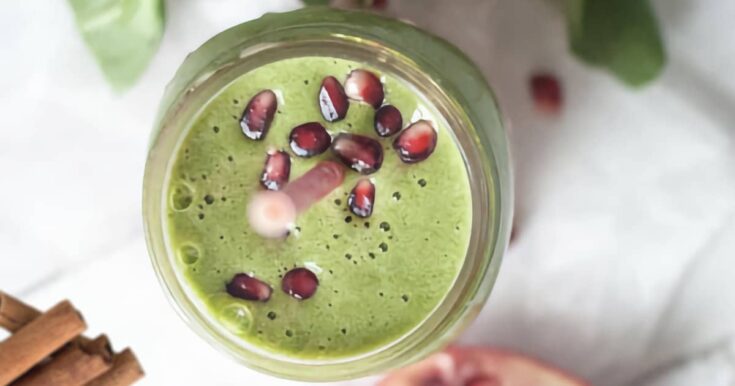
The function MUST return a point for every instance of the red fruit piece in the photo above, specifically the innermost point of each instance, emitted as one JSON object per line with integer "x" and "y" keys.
{"x": 416, "y": 143}
{"x": 309, "y": 139}
{"x": 374, "y": 4}
{"x": 332, "y": 100}
{"x": 547, "y": 94}
{"x": 276, "y": 170}
{"x": 258, "y": 115}
{"x": 361, "y": 198}
{"x": 469, "y": 366}
{"x": 362, "y": 154}
{"x": 300, "y": 283}
{"x": 364, "y": 86}
{"x": 244, "y": 286}
{"x": 379, "y": 4}
{"x": 388, "y": 121}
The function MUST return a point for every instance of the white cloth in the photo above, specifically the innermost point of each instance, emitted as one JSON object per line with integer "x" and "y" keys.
{"x": 622, "y": 270}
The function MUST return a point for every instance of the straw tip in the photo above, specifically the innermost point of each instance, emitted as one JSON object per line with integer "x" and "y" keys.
{"x": 271, "y": 213}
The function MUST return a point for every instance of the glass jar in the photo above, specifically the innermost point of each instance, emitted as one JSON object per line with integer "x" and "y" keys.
{"x": 435, "y": 69}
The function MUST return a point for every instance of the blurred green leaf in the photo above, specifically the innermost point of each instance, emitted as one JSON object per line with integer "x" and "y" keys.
{"x": 316, "y": 2}
{"x": 619, "y": 35}
{"x": 123, "y": 35}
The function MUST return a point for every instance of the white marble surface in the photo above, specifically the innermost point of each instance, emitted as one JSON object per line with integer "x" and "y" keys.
{"x": 624, "y": 263}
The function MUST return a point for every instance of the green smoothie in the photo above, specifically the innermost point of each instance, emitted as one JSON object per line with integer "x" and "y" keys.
{"x": 379, "y": 277}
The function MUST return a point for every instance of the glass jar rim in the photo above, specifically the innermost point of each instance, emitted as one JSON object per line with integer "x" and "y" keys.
{"x": 376, "y": 38}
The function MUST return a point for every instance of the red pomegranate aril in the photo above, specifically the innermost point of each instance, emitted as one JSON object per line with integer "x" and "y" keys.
{"x": 379, "y": 4}
{"x": 246, "y": 287}
{"x": 364, "y": 86}
{"x": 276, "y": 170}
{"x": 546, "y": 92}
{"x": 300, "y": 283}
{"x": 309, "y": 139}
{"x": 416, "y": 143}
{"x": 362, "y": 198}
{"x": 362, "y": 154}
{"x": 388, "y": 121}
{"x": 332, "y": 100}
{"x": 258, "y": 115}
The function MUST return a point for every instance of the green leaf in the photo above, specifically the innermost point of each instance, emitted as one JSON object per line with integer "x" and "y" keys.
{"x": 316, "y": 2}
{"x": 619, "y": 35}
{"x": 123, "y": 35}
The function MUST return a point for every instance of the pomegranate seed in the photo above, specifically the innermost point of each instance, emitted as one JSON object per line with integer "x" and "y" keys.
{"x": 363, "y": 154}
{"x": 416, "y": 143}
{"x": 364, "y": 86}
{"x": 379, "y": 4}
{"x": 276, "y": 170}
{"x": 309, "y": 139}
{"x": 362, "y": 198}
{"x": 246, "y": 287}
{"x": 388, "y": 121}
{"x": 374, "y": 4}
{"x": 300, "y": 283}
{"x": 258, "y": 115}
{"x": 332, "y": 100}
{"x": 547, "y": 94}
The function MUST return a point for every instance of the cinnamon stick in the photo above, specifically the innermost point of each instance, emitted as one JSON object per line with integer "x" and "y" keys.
{"x": 38, "y": 339}
{"x": 75, "y": 365}
{"x": 100, "y": 345}
{"x": 125, "y": 371}
{"x": 15, "y": 314}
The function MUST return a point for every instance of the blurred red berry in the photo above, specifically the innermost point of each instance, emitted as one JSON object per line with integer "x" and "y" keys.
{"x": 380, "y": 4}
{"x": 547, "y": 93}
{"x": 374, "y": 4}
